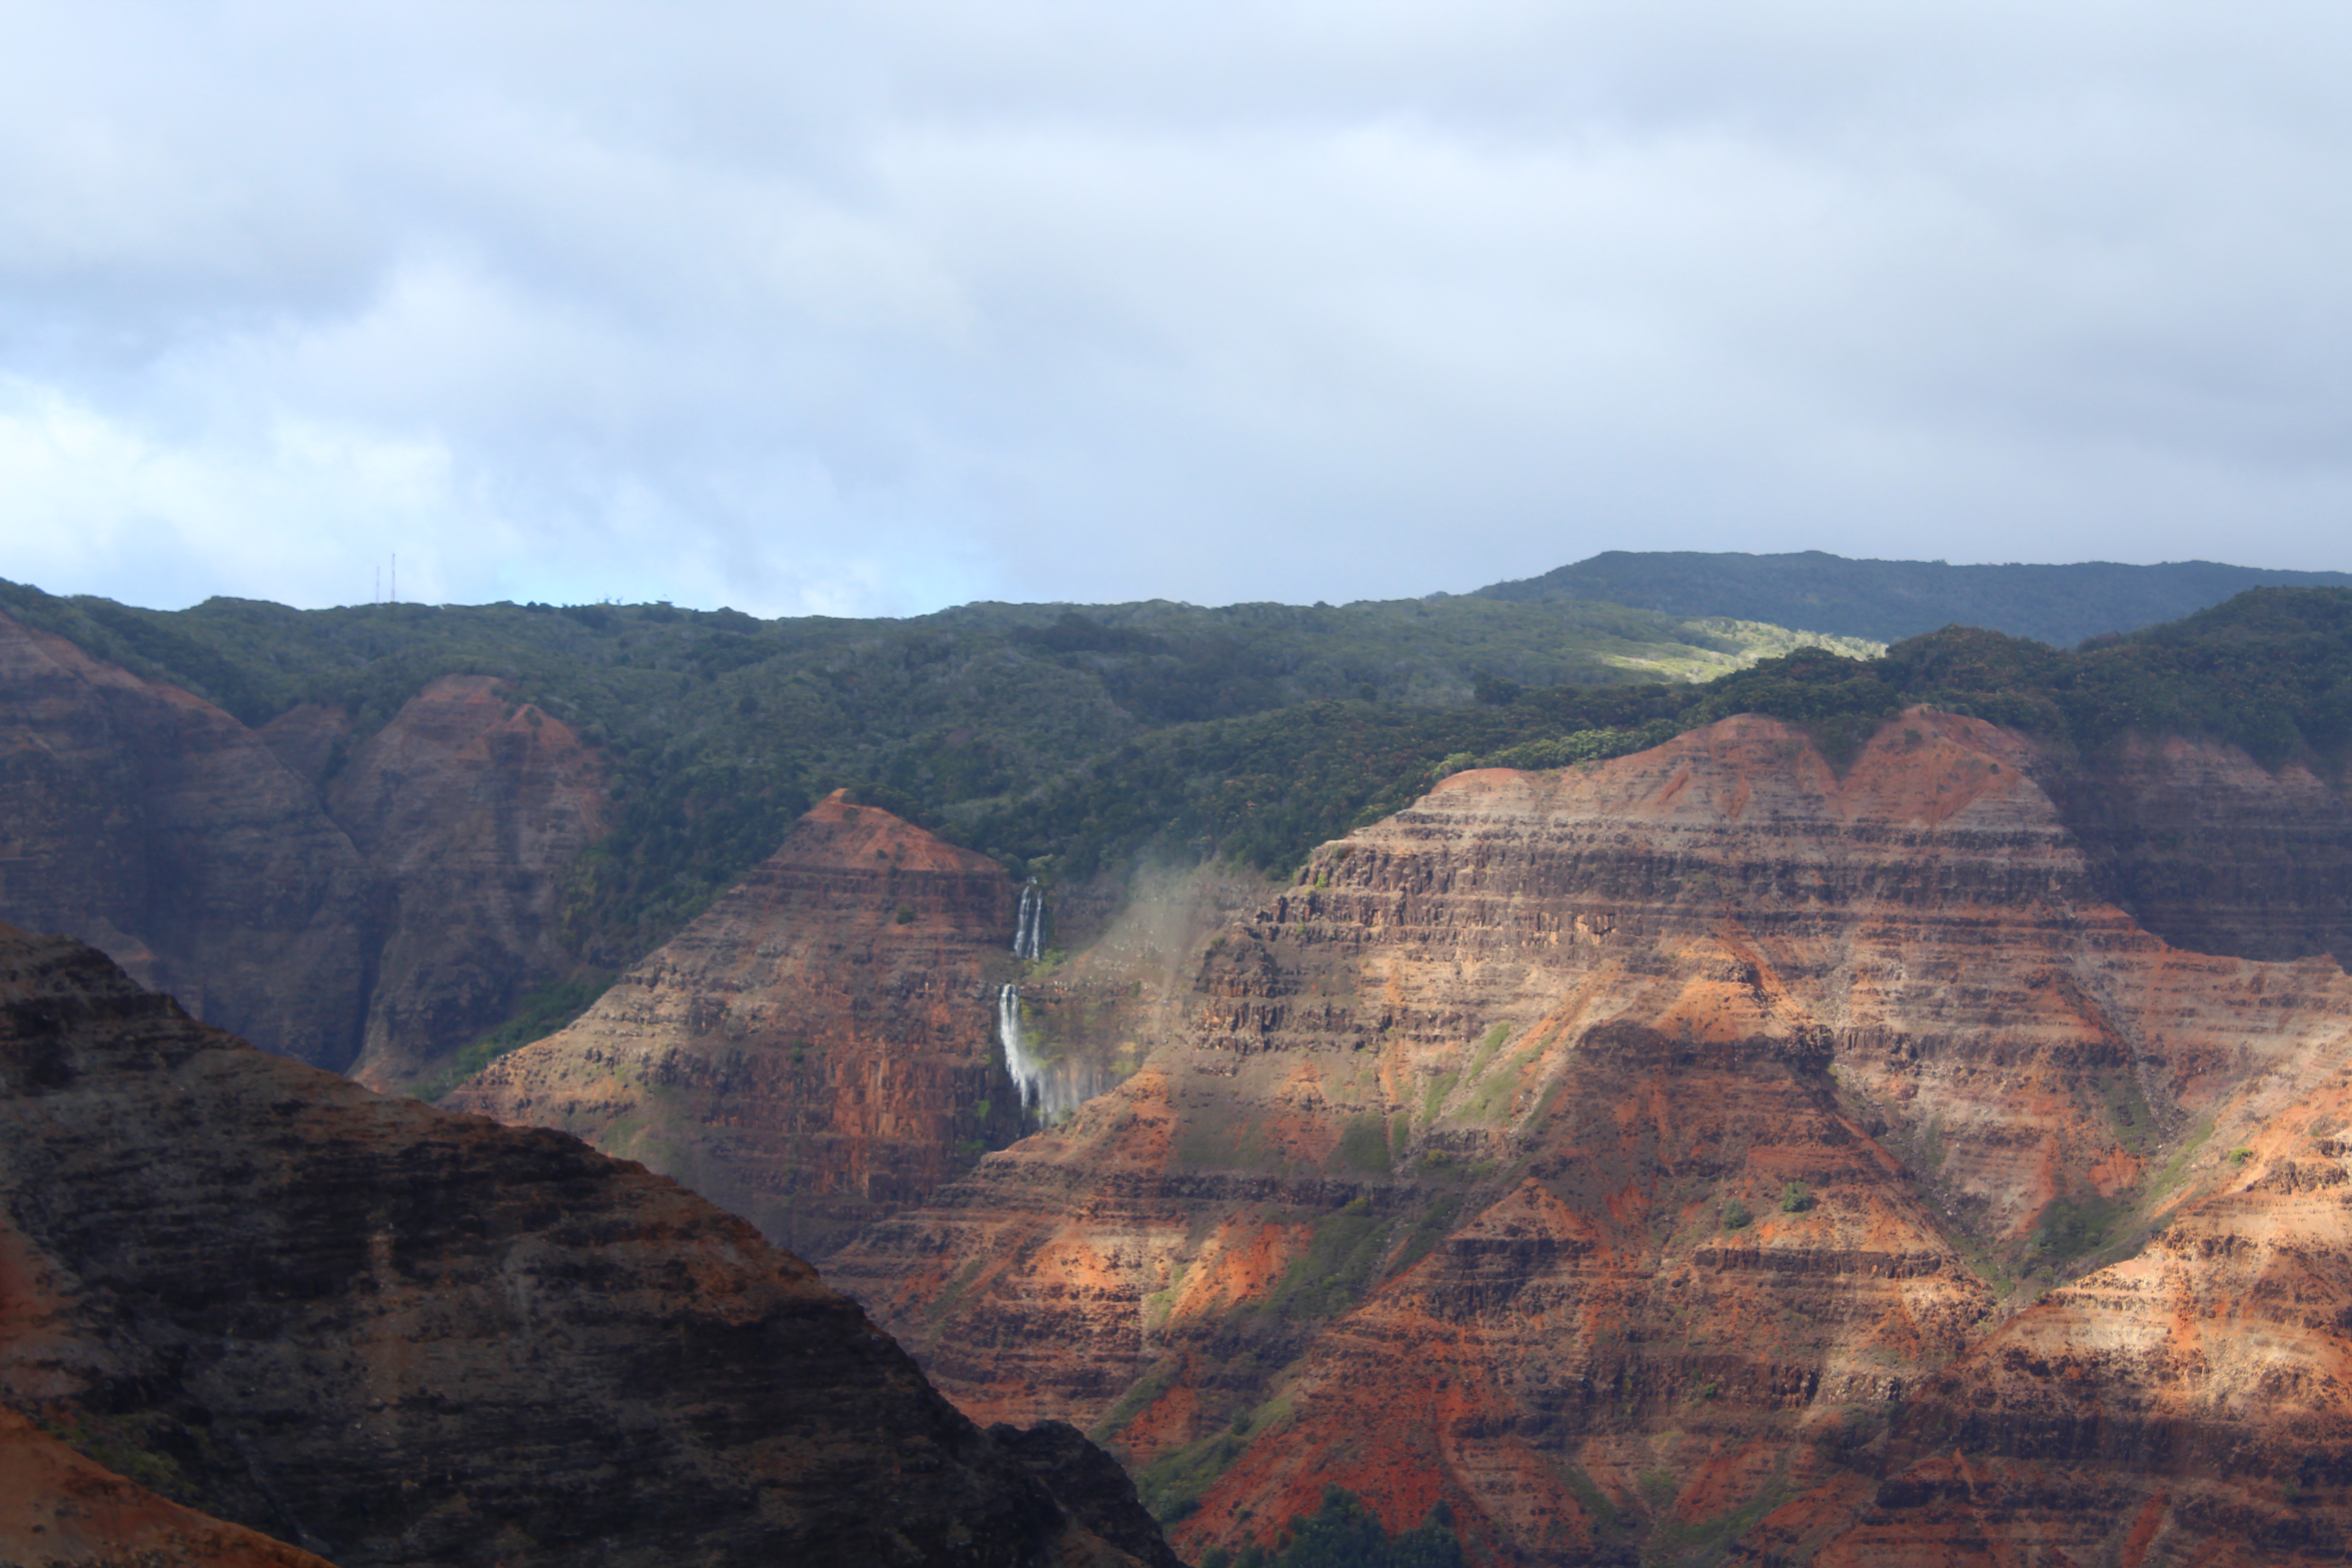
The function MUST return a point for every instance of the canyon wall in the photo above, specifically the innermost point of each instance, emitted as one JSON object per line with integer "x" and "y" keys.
{"x": 2214, "y": 853}
{"x": 825, "y": 1045}
{"x": 367, "y": 910}
{"x": 150, "y": 823}
{"x": 813, "y": 1049}
{"x": 467, "y": 808}
{"x": 1694, "y": 1149}
{"x": 389, "y": 1334}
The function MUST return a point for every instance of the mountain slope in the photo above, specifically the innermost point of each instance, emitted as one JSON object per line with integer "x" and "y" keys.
{"x": 809, "y": 1051}
{"x": 396, "y": 1335}
{"x": 1892, "y": 600}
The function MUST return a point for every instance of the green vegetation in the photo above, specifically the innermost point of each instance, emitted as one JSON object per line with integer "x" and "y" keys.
{"x": 1342, "y": 1533}
{"x": 1736, "y": 1215}
{"x": 1170, "y": 1487}
{"x": 1426, "y": 1232}
{"x": 718, "y": 729}
{"x": 1139, "y": 1396}
{"x": 120, "y": 1444}
{"x": 2128, "y": 1110}
{"x": 1891, "y": 600}
{"x": 540, "y": 1013}
{"x": 1795, "y": 1198}
{"x": 2073, "y": 1225}
{"x": 1336, "y": 1268}
{"x": 1699, "y": 1540}
{"x": 1063, "y": 742}
{"x": 1364, "y": 1145}
{"x": 2168, "y": 1176}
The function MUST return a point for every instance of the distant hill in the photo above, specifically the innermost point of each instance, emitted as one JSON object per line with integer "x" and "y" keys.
{"x": 1887, "y": 601}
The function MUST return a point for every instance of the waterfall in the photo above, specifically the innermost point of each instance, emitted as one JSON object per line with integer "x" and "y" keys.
{"x": 1049, "y": 1090}
{"x": 1029, "y": 925}
{"x": 1026, "y": 1071}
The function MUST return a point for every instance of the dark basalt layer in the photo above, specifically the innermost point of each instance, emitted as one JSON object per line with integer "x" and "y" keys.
{"x": 396, "y": 1335}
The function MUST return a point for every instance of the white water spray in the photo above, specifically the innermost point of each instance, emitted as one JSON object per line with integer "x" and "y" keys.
{"x": 1049, "y": 1090}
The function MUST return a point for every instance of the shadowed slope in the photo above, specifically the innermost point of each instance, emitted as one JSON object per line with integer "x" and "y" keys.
{"x": 400, "y": 1336}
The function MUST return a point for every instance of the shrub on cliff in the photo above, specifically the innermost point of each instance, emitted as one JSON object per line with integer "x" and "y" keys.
{"x": 1343, "y": 1533}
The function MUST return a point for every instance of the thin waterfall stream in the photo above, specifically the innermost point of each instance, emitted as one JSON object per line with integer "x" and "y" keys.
{"x": 1049, "y": 1089}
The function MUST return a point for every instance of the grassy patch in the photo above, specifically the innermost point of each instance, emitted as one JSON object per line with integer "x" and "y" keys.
{"x": 1139, "y": 1396}
{"x": 540, "y": 1013}
{"x": 1158, "y": 1304}
{"x": 1364, "y": 1145}
{"x": 1588, "y": 1495}
{"x": 2073, "y": 1225}
{"x": 1433, "y": 1099}
{"x": 1337, "y": 1268}
{"x": 940, "y": 1305}
{"x": 121, "y": 1447}
{"x": 1931, "y": 1146}
{"x": 1427, "y": 1231}
{"x": 2168, "y": 1176}
{"x": 2126, "y": 1109}
{"x": 1699, "y": 1539}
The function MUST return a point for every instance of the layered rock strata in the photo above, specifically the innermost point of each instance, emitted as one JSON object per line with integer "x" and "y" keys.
{"x": 811, "y": 1051}
{"x": 1655, "y": 1157}
{"x": 394, "y": 1335}
{"x": 2216, "y": 854}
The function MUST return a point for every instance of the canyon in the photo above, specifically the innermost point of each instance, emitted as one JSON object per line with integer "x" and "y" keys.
{"x": 1709, "y": 1149}
{"x": 1922, "y": 1144}
{"x": 286, "y": 1312}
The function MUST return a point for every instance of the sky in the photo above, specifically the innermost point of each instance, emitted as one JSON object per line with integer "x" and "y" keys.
{"x": 874, "y": 307}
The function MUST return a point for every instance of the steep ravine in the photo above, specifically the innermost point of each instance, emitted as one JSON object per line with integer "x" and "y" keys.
{"x": 1678, "y": 1155}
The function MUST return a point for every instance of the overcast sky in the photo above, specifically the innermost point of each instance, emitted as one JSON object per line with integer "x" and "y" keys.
{"x": 876, "y": 308}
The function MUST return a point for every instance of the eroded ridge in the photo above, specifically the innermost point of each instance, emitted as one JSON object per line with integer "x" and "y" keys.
{"x": 1641, "y": 1158}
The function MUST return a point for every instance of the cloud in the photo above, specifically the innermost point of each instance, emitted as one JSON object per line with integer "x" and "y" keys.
{"x": 874, "y": 308}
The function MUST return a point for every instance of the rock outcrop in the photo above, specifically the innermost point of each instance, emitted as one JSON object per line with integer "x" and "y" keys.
{"x": 369, "y": 910}
{"x": 469, "y": 808}
{"x": 394, "y": 1335}
{"x": 1676, "y": 1155}
{"x": 813, "y": 1049}
{"x": 2216, "y": 854}
{"x": 150, "y": 823}
{"x": 59, "y": 1509}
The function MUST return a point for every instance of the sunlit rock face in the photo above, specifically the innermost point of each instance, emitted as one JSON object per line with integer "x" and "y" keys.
{"x": 1675, "y": 1155}
{"x": 813, "y": 1050}
{"x": 390, "y": 1334}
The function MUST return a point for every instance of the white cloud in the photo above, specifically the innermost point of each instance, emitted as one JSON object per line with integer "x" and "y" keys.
{"x": 871, "y": 309}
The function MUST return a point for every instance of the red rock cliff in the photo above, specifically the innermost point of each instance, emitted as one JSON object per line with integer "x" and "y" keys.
{"x": 468, "y": 807}
{"x": 810, "y": 1051}
{"x": 372, "y": 928}
{"x": 1638, "y": 1161}
{"x": 150, "y": 823}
